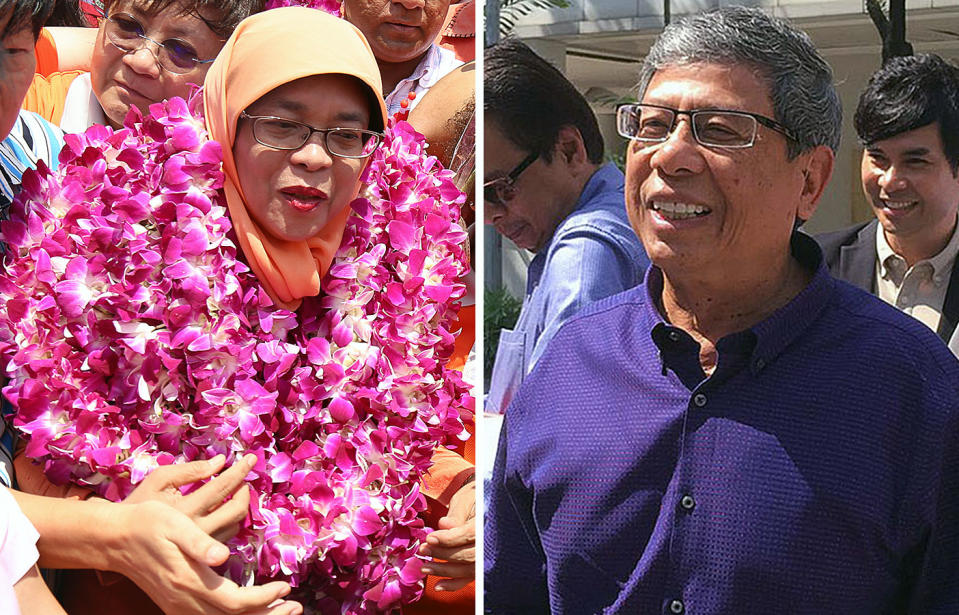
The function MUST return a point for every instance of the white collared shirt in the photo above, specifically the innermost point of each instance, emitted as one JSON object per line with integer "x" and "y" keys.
{"x": 81, "y": 109}
{"x": 920, "y": 290}
{"x": 436, "y": 64}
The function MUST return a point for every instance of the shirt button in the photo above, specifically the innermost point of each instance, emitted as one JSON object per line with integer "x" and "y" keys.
{"x": 687, "y": 502}
{"x": 673, "y": 336}
{"x": 904, "y": 299}
{"x": 699, "y": 399}
{"x": 760, "y": 363}
{"x": 676, "y": 606}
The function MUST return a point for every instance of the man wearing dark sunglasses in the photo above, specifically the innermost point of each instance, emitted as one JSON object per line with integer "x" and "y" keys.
{"x": 146, "y": 51}
{"x": 546, "y": 189}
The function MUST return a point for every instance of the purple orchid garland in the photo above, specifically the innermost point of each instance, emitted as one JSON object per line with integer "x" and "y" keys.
{"x": 134, "y": 337}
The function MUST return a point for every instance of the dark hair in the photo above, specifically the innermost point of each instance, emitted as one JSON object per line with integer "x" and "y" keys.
{"x": 227, "y": 14}
{"x": 799, "y": 80}
{"x": 24, "y": 14}
{"x": 67, "y": 13}
{"x": 530, "y": 101}
{"x": 910, "y": 92}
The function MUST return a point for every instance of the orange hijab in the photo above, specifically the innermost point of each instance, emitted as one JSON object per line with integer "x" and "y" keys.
{"x": 265, "y": 51}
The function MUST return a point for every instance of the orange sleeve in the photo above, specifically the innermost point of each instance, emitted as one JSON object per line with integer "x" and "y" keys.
{"x": 449, "y": 472}
{"x": 48, "y": 93}
{"x": 46, "y": 51}
{"x": 466, "y": 323}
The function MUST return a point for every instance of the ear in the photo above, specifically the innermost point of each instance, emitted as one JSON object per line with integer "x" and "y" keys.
{"x": 817, "y": 167}
{"x": 570, "y": 148}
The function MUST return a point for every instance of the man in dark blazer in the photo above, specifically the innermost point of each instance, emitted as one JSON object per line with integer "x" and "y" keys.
{"x": 908, "y": 122}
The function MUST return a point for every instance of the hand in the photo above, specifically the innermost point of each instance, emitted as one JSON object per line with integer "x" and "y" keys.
{"x": 454, "y": 542}
{"x": 207, "y": 506}
{"x": 163, "y": 543}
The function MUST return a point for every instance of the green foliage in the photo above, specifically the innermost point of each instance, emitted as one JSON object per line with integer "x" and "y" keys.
{"x": 512, "y": 10}
{"x": 500, "y": 311}
{"x": 617, "y": 158}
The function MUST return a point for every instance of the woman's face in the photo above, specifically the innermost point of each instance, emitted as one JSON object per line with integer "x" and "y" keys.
{"x": 292, "y": 194}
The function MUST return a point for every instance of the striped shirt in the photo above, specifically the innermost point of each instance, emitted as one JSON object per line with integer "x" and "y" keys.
{"x": 31, "y": 139}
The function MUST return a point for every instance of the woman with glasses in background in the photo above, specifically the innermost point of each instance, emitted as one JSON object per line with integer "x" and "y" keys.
{"x": 146, "y": 51}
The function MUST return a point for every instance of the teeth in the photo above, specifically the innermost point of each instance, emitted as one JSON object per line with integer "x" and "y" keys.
{"x": 680, "y": 211}
{"x": 898, "y": 204}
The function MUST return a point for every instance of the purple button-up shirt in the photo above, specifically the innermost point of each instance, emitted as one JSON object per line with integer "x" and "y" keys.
{"x": 814, "y": 472}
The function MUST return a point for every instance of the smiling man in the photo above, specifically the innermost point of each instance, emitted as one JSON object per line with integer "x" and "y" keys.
{"x": 717, "y": 440}
{"x": 547, "y": 190}
{"x": 908, "y": 123}
{"x": 401, "y": 34}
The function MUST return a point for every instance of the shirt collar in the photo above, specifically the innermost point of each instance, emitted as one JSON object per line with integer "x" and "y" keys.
{"x": 605, "y": 178}
{"x": 941, "y": 263}
{"x": 81, "y": 109}
{"x": 775, "y": 333}
{"x": 426, "y": 73}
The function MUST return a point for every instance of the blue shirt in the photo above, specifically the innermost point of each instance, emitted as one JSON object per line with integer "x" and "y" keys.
{"x": 815, "y": 471}
{"x": 593, "y": 254}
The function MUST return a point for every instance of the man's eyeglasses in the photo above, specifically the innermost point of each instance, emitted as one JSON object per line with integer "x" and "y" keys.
{"x": 280, "y": 133}
{"x": 503, "y": 189}
{"x": 174, "y": 55}
{"x": 711, "y": 127}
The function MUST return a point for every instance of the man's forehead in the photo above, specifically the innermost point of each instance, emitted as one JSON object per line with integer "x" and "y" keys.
{"x": 725, "y": 85}
{"x": 920, "y": 141}
{"x": 498, "y": 151}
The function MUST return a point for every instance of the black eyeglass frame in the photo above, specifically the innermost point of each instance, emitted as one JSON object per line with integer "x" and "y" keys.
{"x": 372, "y": 134}
{"x": 768, "y": 122}
{"x": 166, "y": 45}
{"x": 491, "y": 188}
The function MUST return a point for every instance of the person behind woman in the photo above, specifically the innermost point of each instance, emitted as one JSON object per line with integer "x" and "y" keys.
{"x": 146, "y": 51}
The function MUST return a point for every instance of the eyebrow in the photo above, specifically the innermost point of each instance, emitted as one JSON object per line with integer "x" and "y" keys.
{"x": 294, "y": 107}
{"x": 916, "y": 151}
{"x": 180, "y": 31}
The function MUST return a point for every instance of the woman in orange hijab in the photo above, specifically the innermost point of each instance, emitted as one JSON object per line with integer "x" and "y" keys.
{"x": 277, "y": 103}
{"x": 297, "y": 127}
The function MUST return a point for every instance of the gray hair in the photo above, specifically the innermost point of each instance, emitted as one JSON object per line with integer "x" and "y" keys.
{"x": 800, "y": 81}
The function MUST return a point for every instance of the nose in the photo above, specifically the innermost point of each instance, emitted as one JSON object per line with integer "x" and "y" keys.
{"x": 493, "y": 212}
{"x": 679, "y": 153}
{"x": 411, "y": 4}
{"x": 143, "y": 61}
{"x": 312, "y": 155}
{"x": 891, "y": 180}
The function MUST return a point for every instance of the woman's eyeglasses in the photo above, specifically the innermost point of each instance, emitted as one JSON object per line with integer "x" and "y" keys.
{"x": 501, "y": 190}
{"x": 174, "y": 55}
{"x": 280, "y": 133}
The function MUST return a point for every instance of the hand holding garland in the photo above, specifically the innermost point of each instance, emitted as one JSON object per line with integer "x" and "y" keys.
{"x": 454, "y": 541}
{"x": 159, "y": 540}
